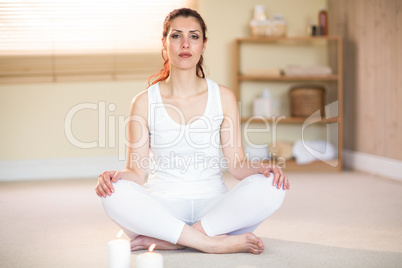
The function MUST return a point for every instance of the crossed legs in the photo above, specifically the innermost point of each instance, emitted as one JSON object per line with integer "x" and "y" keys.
{"x": 194, "y": 238}
{"x": 144, "y": 242}
{"x": 238, "y": 213}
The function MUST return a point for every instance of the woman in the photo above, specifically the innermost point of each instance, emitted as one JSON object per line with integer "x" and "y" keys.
{"x": 177, "y": 127}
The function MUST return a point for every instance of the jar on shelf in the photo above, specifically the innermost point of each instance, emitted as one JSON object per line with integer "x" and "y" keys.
{"x": 260, "y": 28}
{"x": 259, "y": 25}
{"x": 278, "y": 26}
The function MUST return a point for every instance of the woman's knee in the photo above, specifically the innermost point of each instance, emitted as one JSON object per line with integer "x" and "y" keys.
{"x": 266, "y": 193}
{"x": 123, "y": 190}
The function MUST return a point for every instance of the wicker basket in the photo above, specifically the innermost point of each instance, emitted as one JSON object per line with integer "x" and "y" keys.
{"x": 306, "y": 100}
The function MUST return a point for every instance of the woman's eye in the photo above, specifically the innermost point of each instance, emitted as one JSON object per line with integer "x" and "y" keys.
{"x": 194, "y": 36}
{"x": 175, "y": 36}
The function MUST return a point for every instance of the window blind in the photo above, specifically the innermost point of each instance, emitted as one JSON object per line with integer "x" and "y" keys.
{"x": 70, "y": 40}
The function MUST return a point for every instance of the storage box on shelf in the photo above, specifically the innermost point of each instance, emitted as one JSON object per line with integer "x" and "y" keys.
{"x": 333, "y": 56}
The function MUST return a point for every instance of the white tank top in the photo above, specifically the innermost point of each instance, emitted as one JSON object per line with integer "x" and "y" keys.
{"x": 185, "y": 159}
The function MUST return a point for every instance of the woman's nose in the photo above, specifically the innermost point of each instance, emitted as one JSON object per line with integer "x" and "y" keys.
{"x": 185, "y": 43}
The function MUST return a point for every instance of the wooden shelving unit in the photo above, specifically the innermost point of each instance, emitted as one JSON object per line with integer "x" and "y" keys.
{"x": 317, "y": 166}
{"x": 291, "y": 120}
{"x": 335, "y": 79}
{"x": 287, "y": 78}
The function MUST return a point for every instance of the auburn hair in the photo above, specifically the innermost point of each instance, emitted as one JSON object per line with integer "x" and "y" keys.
{"x": 165, "y": 71}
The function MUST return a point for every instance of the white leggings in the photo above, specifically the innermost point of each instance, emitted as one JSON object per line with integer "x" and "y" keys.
{"x": 238, "y": 211}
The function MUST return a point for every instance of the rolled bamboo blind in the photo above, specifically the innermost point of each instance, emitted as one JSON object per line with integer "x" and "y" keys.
{"x": 70, "y": 40}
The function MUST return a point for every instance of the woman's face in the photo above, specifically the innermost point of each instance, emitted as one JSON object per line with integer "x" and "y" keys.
{"x": 184, "y": 43}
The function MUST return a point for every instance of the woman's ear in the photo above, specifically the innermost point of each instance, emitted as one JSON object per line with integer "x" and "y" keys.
{"x": 204, "y": 46}
{"x": 163, "y": 44}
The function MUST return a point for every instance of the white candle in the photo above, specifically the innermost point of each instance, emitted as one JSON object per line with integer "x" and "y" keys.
{"x": 119, "y": 252}
{"x": 150, "y": 259}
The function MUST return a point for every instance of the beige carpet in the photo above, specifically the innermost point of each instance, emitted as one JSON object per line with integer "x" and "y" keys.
{"x": 332, "y": 220}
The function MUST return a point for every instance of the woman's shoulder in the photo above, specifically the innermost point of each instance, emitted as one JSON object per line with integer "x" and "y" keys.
{"x": 228, "y": 98}
{"x": 223, "y": 90}
{"x": 226, "y": 92}
{"x": 139, "y": 104}
{"x": 141, "y": 97}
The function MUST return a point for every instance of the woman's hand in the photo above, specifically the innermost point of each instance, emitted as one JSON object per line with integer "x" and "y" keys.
{"x": 105, "y": 186}
{"x": 280, "y": 178}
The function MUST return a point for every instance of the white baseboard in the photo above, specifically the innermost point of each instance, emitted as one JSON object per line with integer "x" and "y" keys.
{"x": 373, "y": 164}
{"x": 91, "y": 167}
{"x": 57, "y": 168}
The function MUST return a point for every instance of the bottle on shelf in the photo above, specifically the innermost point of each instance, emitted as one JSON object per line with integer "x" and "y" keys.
{"x": 262, "y": 105}
{"x": 323, "y": 22}
{"x": 259, "y": 12}
{"x": 266, "y": 105}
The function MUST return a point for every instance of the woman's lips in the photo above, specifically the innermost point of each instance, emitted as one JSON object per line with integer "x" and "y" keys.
{"x": 185, "y": 55}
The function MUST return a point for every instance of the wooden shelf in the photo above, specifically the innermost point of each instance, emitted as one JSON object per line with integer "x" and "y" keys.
{"x": 291, "y": 120}
{"x": 316, "y": 166}
{"x": 290, "y": 38}
{"x": 288, "y": 78}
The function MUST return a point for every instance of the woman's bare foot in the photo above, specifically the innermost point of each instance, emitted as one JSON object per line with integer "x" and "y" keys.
{"x": 144, "y": 242}
{"x": 247, "y": 242}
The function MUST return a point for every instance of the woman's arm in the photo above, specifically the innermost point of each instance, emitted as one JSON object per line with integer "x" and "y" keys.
{"x": 238, "y": 164}
{"x": 138, "y": 149}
